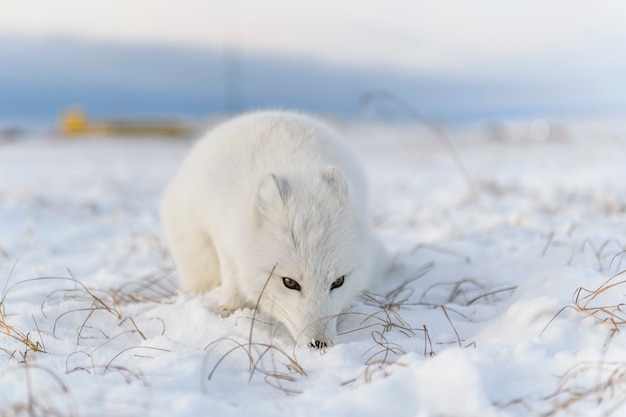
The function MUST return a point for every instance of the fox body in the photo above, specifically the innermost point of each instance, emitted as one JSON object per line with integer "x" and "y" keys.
{"x": 271, "y": 206}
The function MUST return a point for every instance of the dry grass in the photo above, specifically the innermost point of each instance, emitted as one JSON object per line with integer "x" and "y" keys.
{"x": 386, "y": 318}
{"x": 24, "y": 337}
{"x": 99, "y": 309}
{"x": 599, "y": 251}
{"x": 463, "y": 292}
{"x": 384, "y": 98}
{"x": 280, "y": 368}
{"x": 592, "y": 303}
{"x": 102, "y": 308}
{"x": 94, "y": 302}
{"x": 596, "y": 384}
{"x": 42, "y": 387}
{"x": 29, "y": 343}
{"x": 277, "y": 366}
{"x": 36, "y": 399}
{"x": 392, "y": 336}
{"x": 385, "y": 355}
{"x": 373, "y": 371}
{"x": 466, "y": 291}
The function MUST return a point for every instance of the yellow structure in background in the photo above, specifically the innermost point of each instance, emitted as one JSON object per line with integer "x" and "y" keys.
{"x": 74, "y": 122}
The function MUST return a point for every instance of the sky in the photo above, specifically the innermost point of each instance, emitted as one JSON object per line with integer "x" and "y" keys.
{"x": 449, "y": 58}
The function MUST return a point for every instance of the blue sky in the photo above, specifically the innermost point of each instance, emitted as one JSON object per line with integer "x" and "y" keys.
{"x": 451, "y": 59}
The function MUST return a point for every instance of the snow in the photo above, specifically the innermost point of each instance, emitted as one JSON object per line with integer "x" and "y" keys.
{"x": 491, "y": 308}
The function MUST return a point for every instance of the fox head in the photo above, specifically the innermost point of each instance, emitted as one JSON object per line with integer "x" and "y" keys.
{"x": 308, "y": 231}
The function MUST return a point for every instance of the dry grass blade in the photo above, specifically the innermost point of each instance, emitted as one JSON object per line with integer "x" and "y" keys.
{"x": 619, "y": 255}
{"x": 598, "y": 252}
{"x": 387, "y": 348}
{"x": 106, "y": 368}
{"x": 6, "y": 284}
{"x": 95, "y": 301}
{"x": 258, "y": 302}
{"x": 37, "y": 401}
{"x": 75, "y": 368}
{"x": 490, "y": 293}
{"x": 589, "y": 302}
{"x": 128, "y": 375}
{"x": 428, "y": 343}
{"x": 375, "y": 369}
{"x": 258, "y": 354}
{"x": 456, "y": 333}
{"x": 79, "y": 334}
{"x": 158, "y": 288}
{"x": 464, "y": 292}
{"x": 388, "y": 308}
{"x": 388, "y": 305}
{"x": 387, "y": 96}
{"x": 112, "y": 339}
{"x": 575, "y": 387}
{"x": 445, "y": 251}
{"x": 386, "y": 318}
{"x": 143, "y": 336}
{"x": 237, "y": 347}
{"x": 13, "y": 332}
{"x": 22, "y": 337}
{"x": 94, "y": 305}
{"x": 274, "y": 381}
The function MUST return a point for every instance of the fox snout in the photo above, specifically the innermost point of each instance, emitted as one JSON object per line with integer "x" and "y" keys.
{"x": 318, "y": 344}
{"x": 319, "y": 334}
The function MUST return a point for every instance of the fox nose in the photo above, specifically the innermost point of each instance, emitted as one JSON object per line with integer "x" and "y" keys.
{"x": 318, "y": 344}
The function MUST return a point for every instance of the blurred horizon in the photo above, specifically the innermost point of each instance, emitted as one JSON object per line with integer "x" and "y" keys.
{"x": 193, "y": 60}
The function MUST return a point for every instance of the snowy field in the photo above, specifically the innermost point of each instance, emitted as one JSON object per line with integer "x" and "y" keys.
{"x": 505, "y": 298}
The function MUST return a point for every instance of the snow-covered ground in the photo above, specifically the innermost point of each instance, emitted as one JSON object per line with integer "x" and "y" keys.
{"x": 504, "y": 299}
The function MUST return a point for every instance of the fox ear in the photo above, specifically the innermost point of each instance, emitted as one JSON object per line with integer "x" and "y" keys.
{"x": 272, "y": 190}
{"x": 336, "y": 180}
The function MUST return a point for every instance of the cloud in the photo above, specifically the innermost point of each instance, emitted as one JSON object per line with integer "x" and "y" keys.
{"x": 42, "y": 76}
{"x": 444, "y": 36}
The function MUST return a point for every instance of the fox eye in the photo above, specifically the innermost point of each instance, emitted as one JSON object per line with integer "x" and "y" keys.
{"x": 337, "y": 283}
{"x": 292, "y": 284}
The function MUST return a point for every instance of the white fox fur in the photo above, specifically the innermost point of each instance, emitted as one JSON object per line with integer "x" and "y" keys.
{"x": 274, "y": 191}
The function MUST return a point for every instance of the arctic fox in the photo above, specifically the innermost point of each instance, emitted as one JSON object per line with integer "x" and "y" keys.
{"x": 272, "y": 207}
